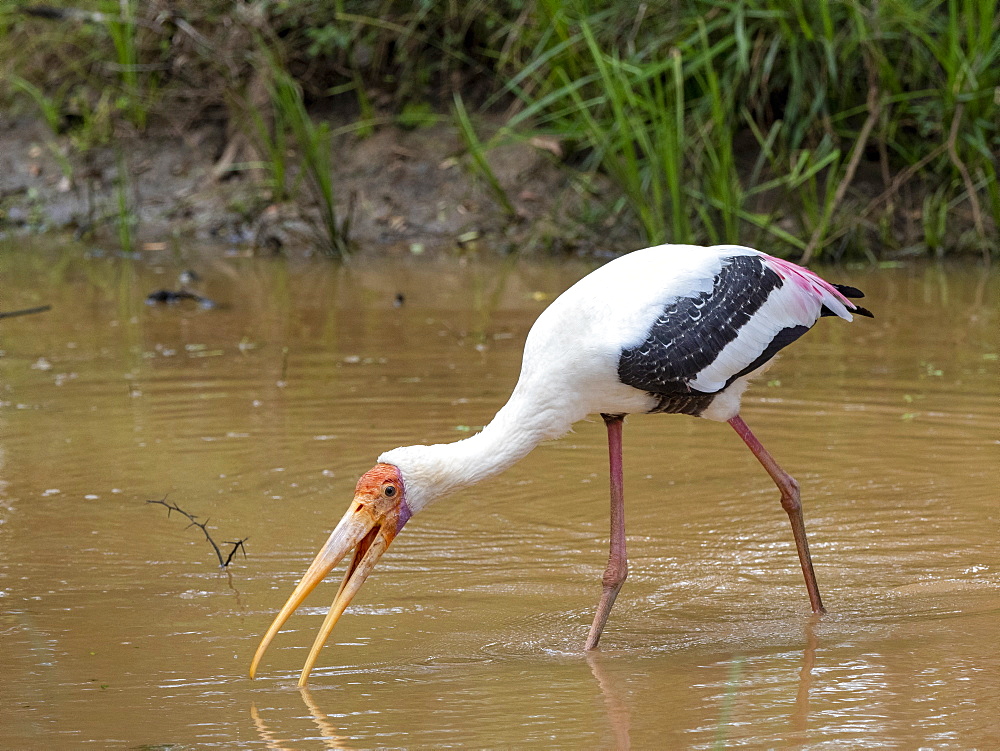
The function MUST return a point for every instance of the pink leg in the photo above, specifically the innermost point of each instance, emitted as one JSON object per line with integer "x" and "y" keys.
{"x": 617, "y": 570}
{"x": 792, "y": 504}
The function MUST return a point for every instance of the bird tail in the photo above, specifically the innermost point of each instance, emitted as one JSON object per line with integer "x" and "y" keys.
{"x": 833, "y": 297}
{"x": 848, "y": 291}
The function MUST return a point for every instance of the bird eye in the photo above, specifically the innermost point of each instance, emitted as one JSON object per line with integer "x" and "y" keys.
{"x": 389, "y": 491}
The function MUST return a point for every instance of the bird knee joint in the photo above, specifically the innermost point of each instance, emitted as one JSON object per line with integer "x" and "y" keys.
{"x": 790, "y": 497}
{"x": 790, "y": 504}
{"x": 615, "y": 575}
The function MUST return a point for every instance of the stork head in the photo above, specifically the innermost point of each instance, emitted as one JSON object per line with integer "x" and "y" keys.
{"x": 377, "y": 513}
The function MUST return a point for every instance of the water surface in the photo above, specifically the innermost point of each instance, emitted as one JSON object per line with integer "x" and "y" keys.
{"x": 119, "y": 629}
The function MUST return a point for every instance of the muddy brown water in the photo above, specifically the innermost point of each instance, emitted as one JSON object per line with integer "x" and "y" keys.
{"x": 118, "y": 628}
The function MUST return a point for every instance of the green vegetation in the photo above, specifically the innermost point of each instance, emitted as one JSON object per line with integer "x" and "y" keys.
{"x": 125, "y": 216}
{"x": 289, "y": 109}
{"x": 812, "y": 128}
{"x": 479, "y": 162}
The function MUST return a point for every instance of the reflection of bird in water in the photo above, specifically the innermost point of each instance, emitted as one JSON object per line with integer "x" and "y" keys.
{"x": 800, "y": 715}
{"x": 677, "y": 329}
{"x": 619, "y": 715}
{"x": 185, "y": 280}
{"x": 331, "y": 737}
{"x": 266, "y": 735}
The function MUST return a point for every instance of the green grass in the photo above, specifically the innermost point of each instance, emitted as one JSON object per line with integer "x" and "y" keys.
{"x": 313, "y": 149}
{"x": 134, "y": 96}
{"x": 812, "y": 127}
{"x": 480, "y": 165}
{"x": 826, "y": 92}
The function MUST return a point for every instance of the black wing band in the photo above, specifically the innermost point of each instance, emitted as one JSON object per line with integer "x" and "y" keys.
{"x": 691, "y": 331}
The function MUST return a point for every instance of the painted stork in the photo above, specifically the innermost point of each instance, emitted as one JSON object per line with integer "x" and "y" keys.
{"x": 674, "y": 328}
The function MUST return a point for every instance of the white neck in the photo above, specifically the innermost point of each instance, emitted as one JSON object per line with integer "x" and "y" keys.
{"x": 430, "y": 472}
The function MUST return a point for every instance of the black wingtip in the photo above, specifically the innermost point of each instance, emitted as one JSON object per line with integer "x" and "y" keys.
{"x": 848, "y": 291}
{"x": 825, "y": 311}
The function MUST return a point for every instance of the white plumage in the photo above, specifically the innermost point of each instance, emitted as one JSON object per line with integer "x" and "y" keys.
{"x": 673, "y": 328}
{"x": 569, "y": 369}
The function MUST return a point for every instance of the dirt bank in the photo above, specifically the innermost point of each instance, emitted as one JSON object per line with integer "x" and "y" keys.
{"x": 411, "y": 189}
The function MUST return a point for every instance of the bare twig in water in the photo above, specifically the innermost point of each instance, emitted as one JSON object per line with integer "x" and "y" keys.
{"x": 237, "y": 545}
{"x": 203, "y": 526}
{"x": 25, "y": 311}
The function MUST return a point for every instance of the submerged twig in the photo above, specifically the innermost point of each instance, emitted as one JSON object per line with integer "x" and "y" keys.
{"x": 203, "y": 526}
{"x": 25, "y": 311}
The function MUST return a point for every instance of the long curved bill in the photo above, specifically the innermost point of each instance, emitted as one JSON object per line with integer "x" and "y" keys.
{"x": 368, "y": 534}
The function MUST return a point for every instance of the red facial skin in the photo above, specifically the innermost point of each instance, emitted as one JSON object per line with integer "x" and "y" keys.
{"x": 377, "y": 491}
{"x": 376, "y": 515}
